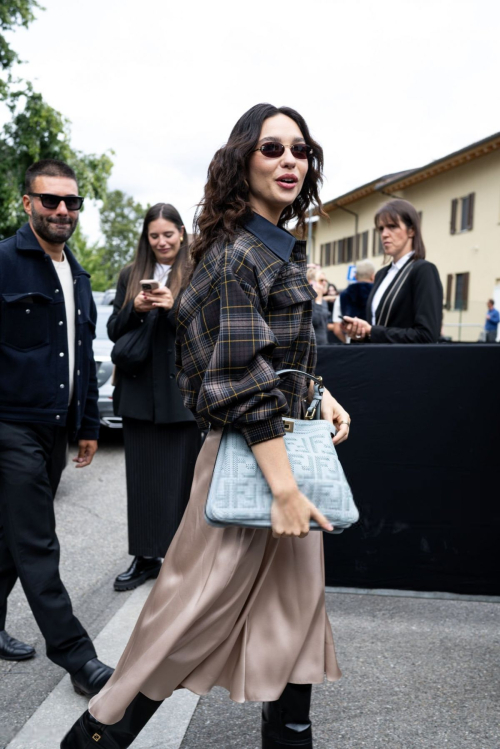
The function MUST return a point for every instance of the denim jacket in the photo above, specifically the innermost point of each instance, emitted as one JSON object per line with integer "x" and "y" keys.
{"x": 34, "y": 378}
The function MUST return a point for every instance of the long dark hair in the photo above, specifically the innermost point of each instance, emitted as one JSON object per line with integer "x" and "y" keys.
{"x": 143, "y": 265}
{"x": 226, "y": 205}
{"x": 398, "y": 210}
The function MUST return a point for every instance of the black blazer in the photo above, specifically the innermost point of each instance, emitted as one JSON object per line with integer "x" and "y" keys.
{"x": 152, "y": 394}
{"x": 411, "y": 309}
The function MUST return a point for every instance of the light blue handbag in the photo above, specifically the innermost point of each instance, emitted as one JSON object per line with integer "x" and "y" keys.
{"x": 240, "y": 495}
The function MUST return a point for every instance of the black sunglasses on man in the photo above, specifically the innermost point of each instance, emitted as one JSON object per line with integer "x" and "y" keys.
{"x": 73, "y": 202}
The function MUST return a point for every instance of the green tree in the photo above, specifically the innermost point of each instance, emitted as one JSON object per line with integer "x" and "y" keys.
{"x": 37, "y": 131}
{"x": 121, "y": 224}
{"x": 13, "y": 13}
{"x": 121, "y": 220}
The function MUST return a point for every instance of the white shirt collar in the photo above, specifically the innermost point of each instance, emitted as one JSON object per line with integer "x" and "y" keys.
{"x": 402, "y": 260}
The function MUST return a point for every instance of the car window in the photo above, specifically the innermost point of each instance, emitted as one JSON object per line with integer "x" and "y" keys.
{"x": 103, "y": 314}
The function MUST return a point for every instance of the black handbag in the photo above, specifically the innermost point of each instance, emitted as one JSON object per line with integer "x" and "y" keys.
{"x": 132, "y": 350}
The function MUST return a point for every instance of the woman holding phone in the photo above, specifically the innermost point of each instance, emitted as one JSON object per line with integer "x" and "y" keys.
{"x": 240, "y": 608}
{"x": 160, "y": 435}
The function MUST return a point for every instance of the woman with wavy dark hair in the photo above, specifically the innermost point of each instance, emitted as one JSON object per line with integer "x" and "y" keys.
{"x": 160, "y": 435}
{"x": 406, "y": 301}
{"x": 240, "y": 608}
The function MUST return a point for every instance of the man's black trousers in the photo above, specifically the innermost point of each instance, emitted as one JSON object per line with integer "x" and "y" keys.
{"x": 32, "y": 458}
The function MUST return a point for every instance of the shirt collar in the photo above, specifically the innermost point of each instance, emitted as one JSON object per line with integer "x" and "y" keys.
{"x": 26, "y": 241}
{"x": 402, "y": 261}
{"x": 277, "y": 240}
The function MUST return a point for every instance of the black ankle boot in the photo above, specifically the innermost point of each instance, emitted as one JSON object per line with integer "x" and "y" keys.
{"x": 286, "y": 722}
{"x": 88, "y": 732}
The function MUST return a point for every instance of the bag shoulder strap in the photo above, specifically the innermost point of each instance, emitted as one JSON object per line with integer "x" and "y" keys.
{"x": 314, "y": 408}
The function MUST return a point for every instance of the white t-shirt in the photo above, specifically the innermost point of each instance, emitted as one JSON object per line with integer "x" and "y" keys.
{"x": 68, "y": 289}
{"x": 162, "y": 273}
{"x": 393, "y": 270}
{"x": 337, "y": 310}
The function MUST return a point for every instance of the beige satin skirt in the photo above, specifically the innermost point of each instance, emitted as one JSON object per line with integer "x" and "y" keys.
{"x": 231, "y": 607}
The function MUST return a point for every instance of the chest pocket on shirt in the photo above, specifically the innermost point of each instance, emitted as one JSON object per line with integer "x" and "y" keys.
{"x": 25, "y": 320}
{"x": 287, "y": 314}
{"x": 291, "y": 287}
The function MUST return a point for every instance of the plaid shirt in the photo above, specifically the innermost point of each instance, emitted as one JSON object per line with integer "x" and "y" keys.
{"x": 246, "y": 314}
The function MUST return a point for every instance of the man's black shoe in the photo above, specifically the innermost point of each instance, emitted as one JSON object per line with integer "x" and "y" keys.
{"x": 91, "y": 678}
{"x": 139, "y": 571}
{"x": 13, "y": 650}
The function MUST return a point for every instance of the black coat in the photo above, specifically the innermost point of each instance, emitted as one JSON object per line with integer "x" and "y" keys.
{"x": 34, "y": 343}
{"x": 152, "y": 394}
{"x": 411, "y": 309}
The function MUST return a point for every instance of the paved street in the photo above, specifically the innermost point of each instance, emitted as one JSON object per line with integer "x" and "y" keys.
{"x": 418, "y": 672}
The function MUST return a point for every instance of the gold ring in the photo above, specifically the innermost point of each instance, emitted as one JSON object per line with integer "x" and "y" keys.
{"x": 346, "y": 422}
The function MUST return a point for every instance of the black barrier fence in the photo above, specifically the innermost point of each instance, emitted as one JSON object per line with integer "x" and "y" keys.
{"x": 423, "y": 464}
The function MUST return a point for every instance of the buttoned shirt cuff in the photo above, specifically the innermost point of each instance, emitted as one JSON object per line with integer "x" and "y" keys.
{"x": 261, "y": 431}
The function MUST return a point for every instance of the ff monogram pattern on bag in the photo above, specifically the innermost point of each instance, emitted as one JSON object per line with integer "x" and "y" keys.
{"x": 240, "y": 495}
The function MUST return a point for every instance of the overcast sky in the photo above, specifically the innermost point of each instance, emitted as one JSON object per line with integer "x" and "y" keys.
{"x": 384, "y": 86}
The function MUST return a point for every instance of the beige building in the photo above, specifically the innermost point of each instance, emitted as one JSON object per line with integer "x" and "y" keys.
{"x": 458, "y": 198}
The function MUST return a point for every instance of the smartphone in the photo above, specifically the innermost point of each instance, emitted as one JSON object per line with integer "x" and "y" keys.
{"x": 149, "y": 284}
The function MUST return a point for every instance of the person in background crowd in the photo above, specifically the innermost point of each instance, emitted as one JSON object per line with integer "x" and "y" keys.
{"x": 241, "y": 608}
{"x": 48, "y": 391}
{"x": 320, "y": 314}
{"x": 160, "y": 435}
{"x": 406, "y": 301}
{"x": 330, "y": 295}
{"x": 352, "y": 301}
{"x": 492, "y": 320}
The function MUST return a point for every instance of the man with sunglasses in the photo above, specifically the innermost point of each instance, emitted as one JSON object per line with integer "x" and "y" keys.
{"x": 48, "y": 392}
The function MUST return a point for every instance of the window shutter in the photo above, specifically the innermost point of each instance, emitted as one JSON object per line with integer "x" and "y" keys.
{"x": 365, "y": 245}
{"x": 470, "y": 217}
{"x": 465, "y": 291}
{"x": 449, "y": 290}
{"x": 453, "y": 222}
{"x": 374, "y": 247}
{"x": 334, "y": 252}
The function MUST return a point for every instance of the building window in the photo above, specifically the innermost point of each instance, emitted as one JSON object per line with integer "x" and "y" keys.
{"x": 462, "y": 214}
{"x": 327, "y": 253}
{"x": 364, "y": 245}
{"x": 377, "y": 247}
{"x": 449, "y": 290}
{"x": 461, "y": 291}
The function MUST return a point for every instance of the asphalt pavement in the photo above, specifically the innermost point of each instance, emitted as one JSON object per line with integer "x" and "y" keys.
{"x": 419, "y": 673}
{"x": 92, "y": 529}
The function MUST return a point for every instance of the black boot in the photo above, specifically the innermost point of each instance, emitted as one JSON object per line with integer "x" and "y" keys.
{"x": 286, "y": 722}
{"x": 141, "y": 569}
{"x": 88, "y": 732}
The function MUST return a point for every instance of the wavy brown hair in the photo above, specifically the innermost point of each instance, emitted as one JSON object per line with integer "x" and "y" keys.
{"x": 398, "y": 210}
{"x": 225, "y": 205}
{"x": 143, "y": 265}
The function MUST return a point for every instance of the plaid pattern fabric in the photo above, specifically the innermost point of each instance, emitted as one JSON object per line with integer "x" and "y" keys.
{"x": 246, "y": 314}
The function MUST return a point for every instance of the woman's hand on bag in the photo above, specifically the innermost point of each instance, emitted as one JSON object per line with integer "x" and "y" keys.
{"x": 331, "y": 410}
{"x": 291, "y": 514}
{"x": 161, "y": 298}
{"x": 142, "y": 303}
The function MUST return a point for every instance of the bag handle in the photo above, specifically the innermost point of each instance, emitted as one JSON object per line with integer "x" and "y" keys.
{"x": 314, "y": 408}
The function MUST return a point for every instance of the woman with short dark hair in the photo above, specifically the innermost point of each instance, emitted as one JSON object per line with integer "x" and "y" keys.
{"x": 160, "y": 435}
{"x": 240, "y": 608}
{"x": 406, "y": 301}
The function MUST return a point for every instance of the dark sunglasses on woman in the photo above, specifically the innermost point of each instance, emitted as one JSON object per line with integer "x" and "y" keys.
{"x": 274, "y": 150}
{"x": 73, "y": 202}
